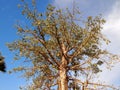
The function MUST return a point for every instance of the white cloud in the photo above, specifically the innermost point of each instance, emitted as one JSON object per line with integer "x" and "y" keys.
{"x": 112, "y": 28}
{"x": 110, "y": 76}
{"x": 112, "y": 31}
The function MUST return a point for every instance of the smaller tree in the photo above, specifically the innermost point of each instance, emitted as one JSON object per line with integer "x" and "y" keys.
{"x": 2, "y": 64}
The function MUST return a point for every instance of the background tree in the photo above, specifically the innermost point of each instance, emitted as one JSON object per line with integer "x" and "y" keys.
{"x": 2, "y": 64}
{"x": 60, "y": 49}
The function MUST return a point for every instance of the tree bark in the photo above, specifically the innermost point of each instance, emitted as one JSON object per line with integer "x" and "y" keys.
{"x": 63, "y": 82}
{"x": 82, "y": 87}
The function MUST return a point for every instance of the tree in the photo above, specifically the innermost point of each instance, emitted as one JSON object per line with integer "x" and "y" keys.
{"x": 2, "y": 64}
{"x": 60, "y": 49}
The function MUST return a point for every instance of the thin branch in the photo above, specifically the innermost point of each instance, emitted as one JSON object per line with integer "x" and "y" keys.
{"x": 43, "y": 43}
{"x": 87, "y": 61}
{"x": 97, "y": 84}
{"x": 79, "y": 50}
{"x": 48, "y": 59}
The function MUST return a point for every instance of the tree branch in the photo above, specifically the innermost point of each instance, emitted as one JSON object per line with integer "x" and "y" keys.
{"x": 43, "y": 43}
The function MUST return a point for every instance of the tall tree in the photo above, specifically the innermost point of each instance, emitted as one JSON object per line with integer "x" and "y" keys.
{"x": 61, "y": 50}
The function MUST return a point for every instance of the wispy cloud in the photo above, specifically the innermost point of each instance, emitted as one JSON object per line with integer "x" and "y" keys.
{"x": 68, "y": 3}
{"x": 112, "y": 31}
{"x": 112, "y": 28}
{"x": 89, "y": 7}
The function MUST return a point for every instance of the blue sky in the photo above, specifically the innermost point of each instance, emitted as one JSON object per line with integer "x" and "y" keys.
{"x": 9, "y": 14}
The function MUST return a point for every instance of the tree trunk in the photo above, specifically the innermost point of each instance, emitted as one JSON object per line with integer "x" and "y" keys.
{"x": 82, "y": 87}
{"x": 63, "y": 82}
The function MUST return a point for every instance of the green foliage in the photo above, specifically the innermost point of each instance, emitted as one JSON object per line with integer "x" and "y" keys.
{"x": 53, "y": 35}
{"x": 2, "y": 64}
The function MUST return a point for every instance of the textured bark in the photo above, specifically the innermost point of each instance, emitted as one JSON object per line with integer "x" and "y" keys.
{"x": 63, "y": 83}
{"x": 83, "y": 88}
